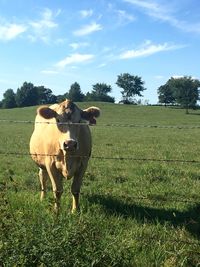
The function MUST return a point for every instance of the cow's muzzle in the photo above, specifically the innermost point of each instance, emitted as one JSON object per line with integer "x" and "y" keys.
{"x": 70, "y": 145}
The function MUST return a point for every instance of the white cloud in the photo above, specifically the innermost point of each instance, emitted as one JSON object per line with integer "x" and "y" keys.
{"x": 88, "y": 29}
{"x": 42, "y": 28}
{"x": 148, "y": 5}
{"x": 182, "y": 76}
{"x": 147, "y": 49}
{"x": 49, "y": 72}
{"x": 162, "y": 13}
{"x": 76, "y": 46}
{"x": 73, "y": 59}
{"x": 11, "y": 31}
{"x": 124, "y": 17}
{"x": 102, "y": 65}
{"x": 86, "y": 13}
{"x": 35, "y": 29}
{"x": 177, "y": 76}
{"x": 45, "y": 22}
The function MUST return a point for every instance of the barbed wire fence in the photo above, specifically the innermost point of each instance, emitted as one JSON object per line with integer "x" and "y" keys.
{"x": 119, "y": 158}
{"x": 181, "y": 127}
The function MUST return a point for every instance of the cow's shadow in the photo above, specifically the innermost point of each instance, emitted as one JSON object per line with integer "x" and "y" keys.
{"x": 144, "y": 214}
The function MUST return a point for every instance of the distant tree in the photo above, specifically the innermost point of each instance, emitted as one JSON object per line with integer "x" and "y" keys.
{"x": 9, "y": 99}
{"x": 75, "y": 93}
{"x": 61, "y": 98}
{"x": 101, "y": 89}
{"x": 166, "y": 94}
{"x": 100, "y": 93}
{"x": 185, "y": 91}
{"x": 131, "y": 85}
{"x": 45, "y": 95}
{"x": 27, "y": 95}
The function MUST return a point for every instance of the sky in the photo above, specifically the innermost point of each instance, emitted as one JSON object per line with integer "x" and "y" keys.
{"x": 57, "y": 43}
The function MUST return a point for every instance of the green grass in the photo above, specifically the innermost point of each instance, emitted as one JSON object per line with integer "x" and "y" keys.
{"x": 133, "y": 213}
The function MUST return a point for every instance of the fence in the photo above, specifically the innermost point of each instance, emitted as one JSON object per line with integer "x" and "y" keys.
{"x": 147, "y": 198}
{"x": 180, "y": 127}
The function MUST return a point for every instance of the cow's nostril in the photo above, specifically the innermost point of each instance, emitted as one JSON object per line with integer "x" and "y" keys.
{"x": 70, "y": 144}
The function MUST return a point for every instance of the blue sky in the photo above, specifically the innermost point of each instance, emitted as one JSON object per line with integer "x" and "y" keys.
{"x": 57, "y": 43}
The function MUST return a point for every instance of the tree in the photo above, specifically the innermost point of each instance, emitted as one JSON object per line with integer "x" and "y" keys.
{"x": 185, "y": 91}
{"x": 131, "y": 85}
{"x": 45, "y": 95}
{"x": 61, "y": 98}
{"x": 27, "y": 95}
{"x": 165, "y": 94}
{"x": 75, "y": 93}
{"x": 100, "y": 93}
{"x": 9, "y": 99}
{"x": 101, "y": 89}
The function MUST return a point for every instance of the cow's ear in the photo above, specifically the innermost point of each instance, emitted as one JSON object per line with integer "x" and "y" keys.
{"x": 90, "y": 114}
{"x": 46, "y": 112}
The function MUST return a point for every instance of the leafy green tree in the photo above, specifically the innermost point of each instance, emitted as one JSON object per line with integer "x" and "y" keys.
{"x": 75, "y": 93}
{"x": 27, "y": 95}
{"x": 131, "y": 85}
{"x": 165, "y": 94}
{"x": 61, "y": 98}
{"x": 45, "y": 95}
{"x": 185, "y": 91}
{"x": 9, "y": 99}
{"x": 100, "y": 93}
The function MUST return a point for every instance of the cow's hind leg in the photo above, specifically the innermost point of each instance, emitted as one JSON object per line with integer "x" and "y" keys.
{"x": 76, "y": 185}
{"x": 43, "y": 175}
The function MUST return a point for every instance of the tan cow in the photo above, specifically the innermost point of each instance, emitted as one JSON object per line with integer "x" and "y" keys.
{"x": 61, "y": 146}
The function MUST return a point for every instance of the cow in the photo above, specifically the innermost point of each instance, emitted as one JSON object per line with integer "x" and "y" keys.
{"x": 61, "y": 147}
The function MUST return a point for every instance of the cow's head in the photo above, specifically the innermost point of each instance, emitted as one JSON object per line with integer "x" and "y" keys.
{"x": 68, "y": 117}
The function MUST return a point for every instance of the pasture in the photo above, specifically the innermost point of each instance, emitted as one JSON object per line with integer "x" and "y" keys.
{"x": 134, "y": 211}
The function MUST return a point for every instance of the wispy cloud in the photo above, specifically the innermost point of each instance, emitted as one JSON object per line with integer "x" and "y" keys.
{"x": 162, "y": 13}
{"x": 11, "y": 31}
{"x": 147, "y": 49}
{"x": 102, "y": 65}
{"x": 88, "y": 29}
{"x": 124, "y": 17}
{"x": 76, "y": 46}
{"x": 86, "y": 13}
{"x": 49, "y": 72}
{"x": 40, "y": 29}
{"x": 73, "y": 59}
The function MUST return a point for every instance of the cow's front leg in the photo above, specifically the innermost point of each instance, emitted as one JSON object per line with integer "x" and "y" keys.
{"x": 76, "y": 185}
{"x": 75, "y": 189}
{"x": 57, "y": 196}
{"x": 57, "y": 185}
{"x": 43, "y": 175}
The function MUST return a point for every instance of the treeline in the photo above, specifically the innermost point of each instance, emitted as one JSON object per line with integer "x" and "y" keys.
{"x": 29, "y": 94}
{"x": 183, "y": 91}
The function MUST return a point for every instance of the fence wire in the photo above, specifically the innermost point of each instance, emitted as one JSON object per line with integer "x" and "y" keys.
{"x": 103, "y": 157}
{"x": 106, "y": 124}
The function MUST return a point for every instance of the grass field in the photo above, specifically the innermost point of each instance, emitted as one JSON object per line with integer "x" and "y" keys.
{"x": 133, "y": 212}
